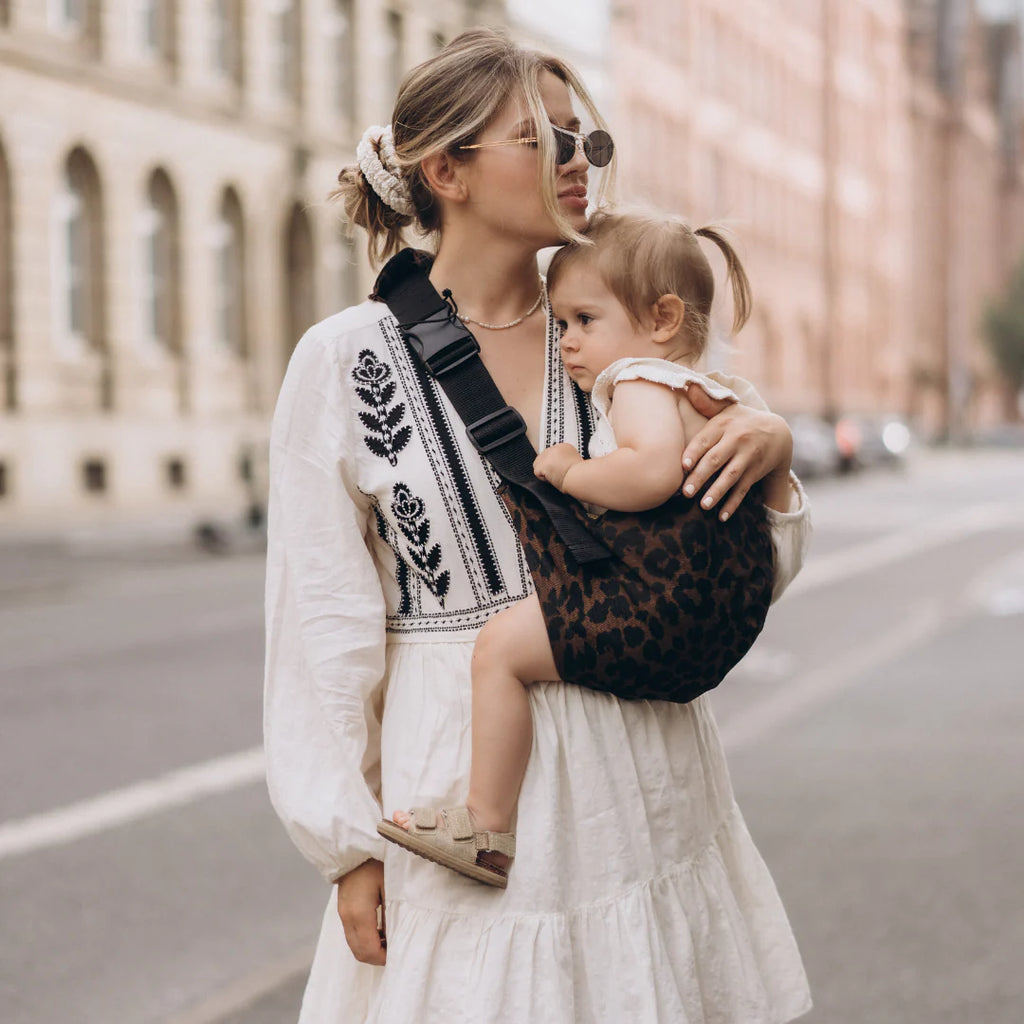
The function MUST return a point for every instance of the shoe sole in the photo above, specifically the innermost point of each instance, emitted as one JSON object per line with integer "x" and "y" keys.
{"x": 428, "y": 850}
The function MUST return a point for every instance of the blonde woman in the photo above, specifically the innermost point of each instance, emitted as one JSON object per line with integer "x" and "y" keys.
{"x": 639, "y": 895}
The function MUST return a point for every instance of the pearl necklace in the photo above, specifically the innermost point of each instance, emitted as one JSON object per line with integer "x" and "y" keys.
{"x": 511, "y": 323}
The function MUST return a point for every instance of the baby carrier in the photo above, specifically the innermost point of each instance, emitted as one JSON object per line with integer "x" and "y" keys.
{"x": 655, "y": 605}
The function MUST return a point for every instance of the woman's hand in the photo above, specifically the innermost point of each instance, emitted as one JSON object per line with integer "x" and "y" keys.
{"x": 360, "y": 894}
{"x": 553, "y": 463}
{"x": 741, "y": 445}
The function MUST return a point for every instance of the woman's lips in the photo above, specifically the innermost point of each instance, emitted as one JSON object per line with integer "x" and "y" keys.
{"x": 575, "y": 197}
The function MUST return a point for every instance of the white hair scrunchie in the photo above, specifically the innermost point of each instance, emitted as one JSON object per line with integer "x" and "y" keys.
{"x": 379, "y": 164}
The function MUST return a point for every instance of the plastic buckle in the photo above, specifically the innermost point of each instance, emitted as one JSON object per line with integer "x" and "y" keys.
{"x": 443, "y": 345}
{"x": 495, "y": 429}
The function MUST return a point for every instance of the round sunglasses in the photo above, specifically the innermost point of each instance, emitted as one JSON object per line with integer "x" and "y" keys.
{"x": 597, "y": 147}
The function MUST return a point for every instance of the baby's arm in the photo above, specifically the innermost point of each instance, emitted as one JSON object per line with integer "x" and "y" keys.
{"x": 645, "y": 470}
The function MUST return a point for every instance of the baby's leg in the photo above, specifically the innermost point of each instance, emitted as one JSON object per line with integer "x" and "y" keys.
{"x": 511, "y": 651}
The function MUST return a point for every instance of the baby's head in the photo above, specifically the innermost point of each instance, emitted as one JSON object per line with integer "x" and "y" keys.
{"x": 639, "y": 286}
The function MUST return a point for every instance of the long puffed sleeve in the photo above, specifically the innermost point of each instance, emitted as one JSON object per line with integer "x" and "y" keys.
{"x": 791, "y": 530}
{"x": 325, "y": 624}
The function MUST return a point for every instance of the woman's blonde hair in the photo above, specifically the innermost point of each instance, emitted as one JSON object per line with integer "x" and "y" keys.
{"x": 444, "y": 103}
{"x": 641, "y": 257}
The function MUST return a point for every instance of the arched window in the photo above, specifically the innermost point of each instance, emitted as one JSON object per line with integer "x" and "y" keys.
{"x": 229, "y": 274}
{"x": 160, "y": 278}
{"x": 342, "y": 35}
{"x": 299, "y": 285}
{"x": 226, "y": 39}
{"x": 77, "y": 21}
{"x": 8, "y": 381}
{"x": 79, "y": 256}
{"x": 156, "y": 28}
{"x": 287, "y": 20}
{"x": 394, "y": 50}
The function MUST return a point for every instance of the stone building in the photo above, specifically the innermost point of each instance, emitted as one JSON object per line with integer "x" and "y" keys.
{"x": 164, "y": 238}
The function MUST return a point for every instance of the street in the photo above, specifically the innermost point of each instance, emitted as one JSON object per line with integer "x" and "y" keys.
{"x": 874, "y": 734}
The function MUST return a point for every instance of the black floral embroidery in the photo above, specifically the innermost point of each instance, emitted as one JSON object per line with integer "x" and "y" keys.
{"x": 401, "y": 566}
{"x": 377, "y": 390}
{"x": 410, "y": 513}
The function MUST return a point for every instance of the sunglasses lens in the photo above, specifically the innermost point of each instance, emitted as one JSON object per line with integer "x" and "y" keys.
{"x": 599, "y": 148}
{"x": 565, "y": 147}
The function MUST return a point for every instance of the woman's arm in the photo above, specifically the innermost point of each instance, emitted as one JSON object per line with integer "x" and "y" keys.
{"x": 644, "y": 471}
{"x": 325, "y": 624}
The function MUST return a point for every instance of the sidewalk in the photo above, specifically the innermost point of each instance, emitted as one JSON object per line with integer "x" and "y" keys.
{"x": 57, "y": 557}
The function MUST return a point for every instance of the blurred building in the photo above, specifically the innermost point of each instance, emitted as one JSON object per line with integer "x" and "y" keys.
{"x": 786, "y": 121}
{"x": 867, "y": 155}
{"x": 164, "y": 239}
{"x": 967, "y": 124}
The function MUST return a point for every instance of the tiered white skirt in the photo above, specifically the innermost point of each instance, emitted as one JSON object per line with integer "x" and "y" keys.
{"x": 637, "y": 894}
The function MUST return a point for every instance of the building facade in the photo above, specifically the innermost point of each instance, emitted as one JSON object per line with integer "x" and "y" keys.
{"x": 868, "y": 157}
{"x": 164, "y": 235}
{"x": 968, "y": 170}
{"x": 786, "y": 122}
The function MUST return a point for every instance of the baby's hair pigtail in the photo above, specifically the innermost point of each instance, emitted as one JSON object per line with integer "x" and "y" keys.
{"x": 742, "y": 298}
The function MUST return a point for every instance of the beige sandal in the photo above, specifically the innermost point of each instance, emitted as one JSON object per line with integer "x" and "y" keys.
{"x": 447, "y": 837}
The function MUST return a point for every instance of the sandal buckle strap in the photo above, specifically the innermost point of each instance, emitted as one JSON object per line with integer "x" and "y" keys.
{"x": 496, "y": 842}
{"x": 460, "y": 824}
{"x": 424, "y": 819}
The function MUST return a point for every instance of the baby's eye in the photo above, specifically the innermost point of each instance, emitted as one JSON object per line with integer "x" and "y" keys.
{"x": 562, "y": 327}
{"x": 584, "y": 318}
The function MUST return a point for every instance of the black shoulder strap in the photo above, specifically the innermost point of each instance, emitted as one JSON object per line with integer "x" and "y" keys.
{"x": 451, "y": 355}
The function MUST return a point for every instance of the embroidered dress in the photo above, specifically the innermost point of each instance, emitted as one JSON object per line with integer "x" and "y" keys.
{"x": 638, "y": 894}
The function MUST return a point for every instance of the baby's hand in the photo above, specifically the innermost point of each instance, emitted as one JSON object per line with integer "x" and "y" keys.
{"x": 553, "y": 463}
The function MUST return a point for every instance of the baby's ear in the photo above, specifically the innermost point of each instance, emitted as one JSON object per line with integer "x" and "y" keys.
{"x": 668, "y": 313}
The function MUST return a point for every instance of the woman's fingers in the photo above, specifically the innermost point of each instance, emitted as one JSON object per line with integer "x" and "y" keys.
{"x": 703, "y": 457}
{"x": 729, "y": 478}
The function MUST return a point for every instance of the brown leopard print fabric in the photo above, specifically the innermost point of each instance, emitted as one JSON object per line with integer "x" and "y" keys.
{"x": 667, "y": 618}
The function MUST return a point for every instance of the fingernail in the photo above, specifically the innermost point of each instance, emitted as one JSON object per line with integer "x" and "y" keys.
{"x": 687, "y": 463}
{"x": 706, "y": 503}
{"x": 688, "y": 490}
{"x": 725, "y": 515}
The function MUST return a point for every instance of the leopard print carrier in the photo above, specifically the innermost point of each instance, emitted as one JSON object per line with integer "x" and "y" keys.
{"x": 673, "y": 611}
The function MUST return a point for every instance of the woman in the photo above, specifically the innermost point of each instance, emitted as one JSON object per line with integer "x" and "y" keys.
{"x": 641, "y": 897}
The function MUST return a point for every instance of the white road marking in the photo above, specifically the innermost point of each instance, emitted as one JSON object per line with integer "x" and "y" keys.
{"x": 894, "y": 547}
{"x": 246, "y": 991}
{"x": 788, "y": 701}
{"x": 121, "y": 806}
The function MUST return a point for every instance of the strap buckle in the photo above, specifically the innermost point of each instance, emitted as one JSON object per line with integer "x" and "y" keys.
{"x": 495, "y": 429}
{"x": 442, "y": 344}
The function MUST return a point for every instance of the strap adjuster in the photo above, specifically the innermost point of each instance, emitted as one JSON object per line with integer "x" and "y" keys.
{"x": 495, "y": 429}
{"x": 436, "y": 346}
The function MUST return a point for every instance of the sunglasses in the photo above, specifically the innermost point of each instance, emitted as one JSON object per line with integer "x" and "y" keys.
{"x": 597, "y": 147}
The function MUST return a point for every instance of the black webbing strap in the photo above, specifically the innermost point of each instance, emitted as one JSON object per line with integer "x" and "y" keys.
{"x": 451, "y": 355}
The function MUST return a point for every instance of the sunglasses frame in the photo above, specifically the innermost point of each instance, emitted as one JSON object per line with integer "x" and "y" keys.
{"x": 581, "y": 143}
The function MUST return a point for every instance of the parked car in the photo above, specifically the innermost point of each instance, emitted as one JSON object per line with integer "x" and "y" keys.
{"x": 872, "y": 440}
{"x": 815, "y": 452}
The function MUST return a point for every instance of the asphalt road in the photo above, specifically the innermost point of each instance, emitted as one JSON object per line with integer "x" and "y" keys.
{"x": 874, "y": 736}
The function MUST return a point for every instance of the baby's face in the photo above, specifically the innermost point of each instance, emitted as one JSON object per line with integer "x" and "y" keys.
{"x": 596, "y": 329}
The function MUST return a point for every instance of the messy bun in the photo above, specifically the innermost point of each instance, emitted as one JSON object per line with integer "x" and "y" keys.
{"x": 364, "y": 208}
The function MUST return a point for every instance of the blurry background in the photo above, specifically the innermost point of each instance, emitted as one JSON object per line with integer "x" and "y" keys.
{"x": 164, "y": 242}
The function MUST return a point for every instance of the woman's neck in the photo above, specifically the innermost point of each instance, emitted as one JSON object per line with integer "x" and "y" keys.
{"x": 493, "y": 282}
